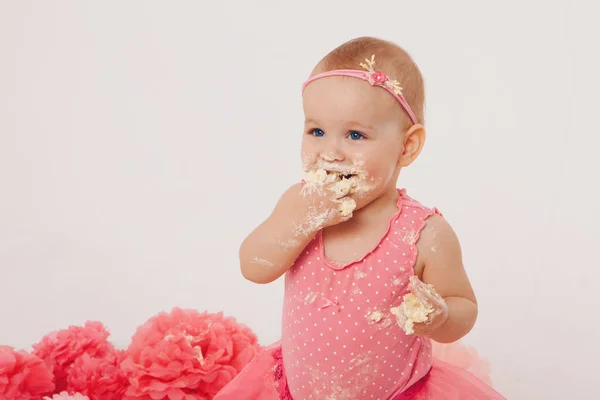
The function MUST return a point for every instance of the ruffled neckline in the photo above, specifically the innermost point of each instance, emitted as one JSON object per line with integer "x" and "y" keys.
{"x": 339, "y": 266}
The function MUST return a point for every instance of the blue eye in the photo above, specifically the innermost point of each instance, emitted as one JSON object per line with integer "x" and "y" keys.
{"x": 354, "y": 135}
{"x": 317, "y": 132}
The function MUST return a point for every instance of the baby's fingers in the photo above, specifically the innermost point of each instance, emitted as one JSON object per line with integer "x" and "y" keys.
{"x": 342, "y": 188}
{"x": 426, "y": 293}
{"x": 400, "y": 315}
{"x": 345, "y": 207}
{"x": 419, "y": 289}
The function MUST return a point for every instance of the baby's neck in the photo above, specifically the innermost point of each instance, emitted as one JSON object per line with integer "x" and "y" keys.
{"x": 382, "y": 205}
{"x": 350, "y": 241}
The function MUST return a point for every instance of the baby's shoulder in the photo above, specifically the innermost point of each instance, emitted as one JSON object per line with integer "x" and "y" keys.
{"x": 412, "y": 218}
{"x": 409, "y": 204}
{"x": 431, "y": 235}
{"x": 427, "y": 220}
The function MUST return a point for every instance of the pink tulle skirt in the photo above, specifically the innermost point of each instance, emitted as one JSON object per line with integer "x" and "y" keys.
{"x": 264, "y": 378}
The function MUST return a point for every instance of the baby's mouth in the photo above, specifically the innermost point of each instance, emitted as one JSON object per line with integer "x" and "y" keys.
{"x": 340, "y": 174}
{"x": 337, "y": 176}
{"x": 331, "y": 176}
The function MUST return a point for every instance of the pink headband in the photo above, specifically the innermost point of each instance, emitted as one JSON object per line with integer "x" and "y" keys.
{"x": 375, "y": 78}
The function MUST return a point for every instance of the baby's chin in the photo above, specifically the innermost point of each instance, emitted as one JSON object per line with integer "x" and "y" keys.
{"x": 363, "y": 200}
{"x": 372, "y": 193}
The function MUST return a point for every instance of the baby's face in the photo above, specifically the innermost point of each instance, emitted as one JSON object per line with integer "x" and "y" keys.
{"x": 354, "y": 129}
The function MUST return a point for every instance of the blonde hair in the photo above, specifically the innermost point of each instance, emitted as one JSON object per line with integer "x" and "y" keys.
{"x": 390, "y": 59}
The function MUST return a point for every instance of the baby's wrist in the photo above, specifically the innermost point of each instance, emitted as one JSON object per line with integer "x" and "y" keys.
{"x": 307, "y": 224}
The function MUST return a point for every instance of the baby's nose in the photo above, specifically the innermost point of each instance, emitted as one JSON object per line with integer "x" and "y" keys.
{"x": 332, "y": 156}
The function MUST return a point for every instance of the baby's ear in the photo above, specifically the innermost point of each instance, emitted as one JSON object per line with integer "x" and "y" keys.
{"x": 414, "y": 140}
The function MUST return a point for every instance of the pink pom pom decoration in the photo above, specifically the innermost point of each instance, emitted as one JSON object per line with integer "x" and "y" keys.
{"x": 23, "y": 376}
{"x": 187, "y": 355}
{"x": 98, "y": 378}
{"x": 60, "y": 349}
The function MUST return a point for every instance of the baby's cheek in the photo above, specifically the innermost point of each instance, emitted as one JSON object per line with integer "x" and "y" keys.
{"x": 384, "y": 171}
{"x": 374, "y": 174}
{"x": 308, "y": 159}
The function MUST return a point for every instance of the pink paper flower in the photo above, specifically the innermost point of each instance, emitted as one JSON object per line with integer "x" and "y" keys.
{"x": 23, "y": 376}
{"x": 60, "y": 349}
{"x": 64, "y": 395}
{"x": 379, "y": 77}
{"x": 98, "y": 378}
{"x": 185, "y": 354}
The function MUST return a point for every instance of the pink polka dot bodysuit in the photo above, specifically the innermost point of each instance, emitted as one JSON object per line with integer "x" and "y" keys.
{"x": 340, "y": 340}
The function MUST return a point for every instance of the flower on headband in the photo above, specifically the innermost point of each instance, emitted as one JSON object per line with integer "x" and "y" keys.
{"x": 379, "y": 78}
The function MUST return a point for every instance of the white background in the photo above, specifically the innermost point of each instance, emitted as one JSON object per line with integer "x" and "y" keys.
{"x": 140, "y": 141}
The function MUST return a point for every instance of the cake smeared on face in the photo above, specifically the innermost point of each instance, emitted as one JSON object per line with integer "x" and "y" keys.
{"x": 347, "y": 207}
{"x": 323, "y": 176}
{"x": 340, "y": 183}
{"x": 343, "y": 180}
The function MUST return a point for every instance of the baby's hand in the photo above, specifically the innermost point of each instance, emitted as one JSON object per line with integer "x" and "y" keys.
{"x": 327, "y": 199}
{"x": 428, "y": 296}
{"x": 427, "y": 313}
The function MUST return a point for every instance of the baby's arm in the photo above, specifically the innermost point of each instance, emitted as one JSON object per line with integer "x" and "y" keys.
{"x": 273, "y": 247}
{"x": 441, "y": 257}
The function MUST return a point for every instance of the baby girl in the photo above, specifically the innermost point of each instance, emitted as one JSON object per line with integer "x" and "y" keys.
{"x": 372, "y": 276}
